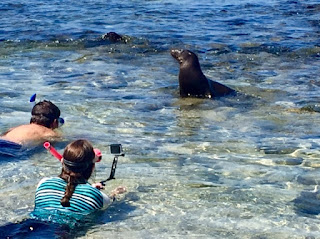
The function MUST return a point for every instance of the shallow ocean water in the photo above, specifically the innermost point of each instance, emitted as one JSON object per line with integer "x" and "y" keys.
{"x": 235, "y": 167}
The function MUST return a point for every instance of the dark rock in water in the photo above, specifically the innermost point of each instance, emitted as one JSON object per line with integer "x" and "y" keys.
{"x": 254, "y": 48}
{"x": 309, "y": 178}
{"x": 308, "y": 203}
{"x": 311, "y": 108}
{"x": 290, "y": 161}
{"x": 274, "y": 150}
{"x": 315, "y": 82}
{"x": 314, "y": 7}
{"x": 219, "y": 49}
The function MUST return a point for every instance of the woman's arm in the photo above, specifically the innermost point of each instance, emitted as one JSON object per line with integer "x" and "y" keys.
{"x": 107, "y": 200}
{"x": 116, "y": 191}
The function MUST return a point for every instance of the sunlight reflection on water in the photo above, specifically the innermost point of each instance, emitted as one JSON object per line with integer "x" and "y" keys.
{"x": 227, "y": 168}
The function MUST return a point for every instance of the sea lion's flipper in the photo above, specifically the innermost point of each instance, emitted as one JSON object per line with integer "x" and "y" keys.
{"x": 218, "y": 89}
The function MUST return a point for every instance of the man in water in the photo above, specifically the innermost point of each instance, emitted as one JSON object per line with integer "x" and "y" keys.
{"x": 45, "y": 118}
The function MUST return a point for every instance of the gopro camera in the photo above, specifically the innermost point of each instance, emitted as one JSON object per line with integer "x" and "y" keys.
{"x": 116, "y": 149}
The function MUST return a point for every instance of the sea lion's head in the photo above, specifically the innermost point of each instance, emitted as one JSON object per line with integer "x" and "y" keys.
{"x": 185, "y": 58}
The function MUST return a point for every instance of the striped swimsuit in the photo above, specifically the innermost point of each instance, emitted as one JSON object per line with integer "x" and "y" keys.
{"x": 84, "y": 199}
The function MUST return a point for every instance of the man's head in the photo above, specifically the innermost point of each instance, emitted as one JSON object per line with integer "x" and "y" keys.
{"x": 46, "y": 114}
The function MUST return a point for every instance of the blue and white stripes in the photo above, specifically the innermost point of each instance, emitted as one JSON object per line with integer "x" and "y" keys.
{"x": 51, "y": 190}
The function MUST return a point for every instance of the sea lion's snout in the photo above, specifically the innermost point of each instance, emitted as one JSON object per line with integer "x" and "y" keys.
{"x": 175, "y": 53}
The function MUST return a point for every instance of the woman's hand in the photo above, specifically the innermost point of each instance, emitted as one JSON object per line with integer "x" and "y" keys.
{"x": 118, "y": 190}
{"x": 98, "y": 185}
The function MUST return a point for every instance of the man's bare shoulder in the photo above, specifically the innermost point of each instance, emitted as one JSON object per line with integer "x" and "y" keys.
{"x": 29, "y": 133}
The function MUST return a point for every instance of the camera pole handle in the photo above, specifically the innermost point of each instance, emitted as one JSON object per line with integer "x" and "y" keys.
{"x": 113, "y": 170}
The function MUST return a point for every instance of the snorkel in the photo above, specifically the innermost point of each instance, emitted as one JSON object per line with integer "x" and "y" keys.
{"x": 52, "y": 150}
{"x": 58, "y": 156}
{"x": 33, "y": 100}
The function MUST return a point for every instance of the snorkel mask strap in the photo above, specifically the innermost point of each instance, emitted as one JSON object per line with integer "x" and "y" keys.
{"x": 60, "y": 121}
{"x": 77, "y": 167}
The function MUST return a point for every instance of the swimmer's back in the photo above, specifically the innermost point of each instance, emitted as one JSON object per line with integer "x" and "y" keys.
{"x": 29, "y": 133}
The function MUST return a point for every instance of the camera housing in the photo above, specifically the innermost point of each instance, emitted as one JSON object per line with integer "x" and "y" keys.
{"x": 116, "y": 149}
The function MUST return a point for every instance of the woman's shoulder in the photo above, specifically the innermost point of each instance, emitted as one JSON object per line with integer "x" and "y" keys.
{"x": 51, "y": 180}
{"x": 87, "y": 186}
{"x": 88, "y": 190}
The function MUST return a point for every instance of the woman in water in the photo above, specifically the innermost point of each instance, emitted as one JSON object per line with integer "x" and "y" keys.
{"x": 70, "y": 192}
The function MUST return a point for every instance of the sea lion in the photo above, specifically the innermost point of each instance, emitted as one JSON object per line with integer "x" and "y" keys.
{"x": 103, "y": 40}
{"x": 112, "y": 37}
{"x": 192, "y": 82}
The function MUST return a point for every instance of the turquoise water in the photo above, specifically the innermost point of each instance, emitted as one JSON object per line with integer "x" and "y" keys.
{"x": 237, "y": 167}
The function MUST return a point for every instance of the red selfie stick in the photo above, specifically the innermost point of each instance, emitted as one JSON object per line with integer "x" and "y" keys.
{"x": 52, "y": 150}
{"x": 56, "y": 154}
